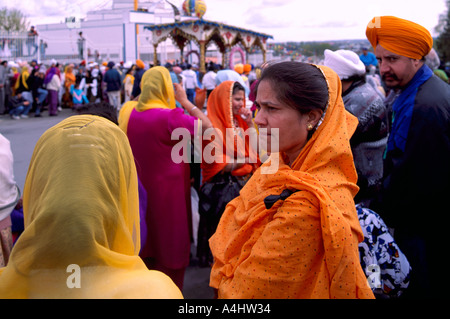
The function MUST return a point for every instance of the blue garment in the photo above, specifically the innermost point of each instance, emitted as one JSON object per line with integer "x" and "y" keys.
{"x": 231, "y": 75}
{"x": 17, "y": 222}
{"x": 78, "y": 96}
{"x": 174, "y": 78}
{"x": 191, "y": 95}
{"x": 112, "y": 80}
{"x": 17, "y": 104}
{"x": 403, "y": 109}
{"x": 20, "y": 110}
{"x": 41, "y": 96}
{"x": 369, "y": 59}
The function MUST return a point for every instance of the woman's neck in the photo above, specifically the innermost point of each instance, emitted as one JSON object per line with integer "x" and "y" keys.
{"x": 291, "y": 156}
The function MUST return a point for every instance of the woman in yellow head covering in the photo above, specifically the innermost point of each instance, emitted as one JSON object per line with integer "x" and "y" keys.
{"x": 150, "y": 124}
{"x": 293, "y": 232}
{"x": 128, "y": 82}
{"x": 21, "y": 83}
{"x": 81, "y": 215}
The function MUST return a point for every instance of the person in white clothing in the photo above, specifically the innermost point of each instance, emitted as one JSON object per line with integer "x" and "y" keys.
{"x": 9, "y": 196}
{"x": 190, "y": 82}
{"x": 53, "y": 84}
{"x": 209, "y": 80}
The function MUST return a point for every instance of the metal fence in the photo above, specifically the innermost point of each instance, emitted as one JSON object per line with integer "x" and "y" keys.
{"x": 18, "y": 46}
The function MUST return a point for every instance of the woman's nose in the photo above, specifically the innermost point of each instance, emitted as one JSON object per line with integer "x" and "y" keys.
{"x": 259, "y": 118}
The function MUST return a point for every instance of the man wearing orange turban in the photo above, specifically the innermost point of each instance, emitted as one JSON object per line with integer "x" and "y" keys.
{"x": 239, "y": 68}
{"x": 140, "y": 70}
{"x": 400, "y": 36}
{"x": 140, "y": 64}
{"x": 416, "y": 167}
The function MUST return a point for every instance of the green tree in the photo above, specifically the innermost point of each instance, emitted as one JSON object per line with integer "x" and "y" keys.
{"x": 316, "y": 48}
{"x": 442, "y": 43}
{"x": 13, "y": 20}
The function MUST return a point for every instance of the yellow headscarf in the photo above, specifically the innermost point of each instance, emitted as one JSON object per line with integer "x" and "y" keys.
{"x": 24, "y": 74}
{"x": 156, "y": 92}
{"x": 128, "y": 76}
{"x": 305, "y": 246}
{"x": 81, "y": 209}
{"x": 399, "y": 36}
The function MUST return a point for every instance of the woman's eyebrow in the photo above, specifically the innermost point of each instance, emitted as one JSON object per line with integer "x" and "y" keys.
{"x": 267, "y": 103}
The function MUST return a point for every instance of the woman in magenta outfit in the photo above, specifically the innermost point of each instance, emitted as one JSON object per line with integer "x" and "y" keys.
{"x": 149, "y": 124}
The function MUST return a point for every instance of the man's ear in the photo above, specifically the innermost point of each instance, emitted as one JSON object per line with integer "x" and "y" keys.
{"x": 417, "y": 63}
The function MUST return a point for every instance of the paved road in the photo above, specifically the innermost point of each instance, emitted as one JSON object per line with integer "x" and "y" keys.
{"x": 23, "y": 135}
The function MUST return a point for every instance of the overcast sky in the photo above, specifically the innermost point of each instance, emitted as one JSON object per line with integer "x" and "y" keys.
{"x": 285, "y": 20}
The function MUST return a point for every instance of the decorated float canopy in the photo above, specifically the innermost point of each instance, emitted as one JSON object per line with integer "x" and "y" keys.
{"x": 205, "y": 32}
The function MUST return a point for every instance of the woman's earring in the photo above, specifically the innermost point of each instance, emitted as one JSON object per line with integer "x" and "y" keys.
{"x": 309, "y": 127}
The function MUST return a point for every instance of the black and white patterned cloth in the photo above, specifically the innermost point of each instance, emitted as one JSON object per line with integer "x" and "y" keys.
{"x": 386, "y": 267}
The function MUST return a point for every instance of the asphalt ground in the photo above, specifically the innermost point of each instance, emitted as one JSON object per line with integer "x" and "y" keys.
{"x": 23, "y": 135}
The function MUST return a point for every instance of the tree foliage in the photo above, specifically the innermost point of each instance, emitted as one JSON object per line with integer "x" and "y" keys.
{"x": 442, "y": 43}
{"x": 295, "y": 49}
{"x": 12, "y": 20}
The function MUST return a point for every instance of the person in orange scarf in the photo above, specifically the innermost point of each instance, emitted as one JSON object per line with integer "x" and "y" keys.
{"x": 295, "y": 233}
{"x": 69, "y": 80}
{"x": 224, "y": 172}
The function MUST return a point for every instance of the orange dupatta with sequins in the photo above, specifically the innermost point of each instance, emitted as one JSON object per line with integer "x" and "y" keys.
{"x": 307, "y": 245}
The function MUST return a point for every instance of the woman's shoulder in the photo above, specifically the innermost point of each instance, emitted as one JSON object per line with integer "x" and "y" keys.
{"x": 150, "y": 284}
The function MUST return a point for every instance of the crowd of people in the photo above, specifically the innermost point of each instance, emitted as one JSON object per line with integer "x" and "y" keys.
{"x": 361, "y": 144}
{"x": 31, "y": 87}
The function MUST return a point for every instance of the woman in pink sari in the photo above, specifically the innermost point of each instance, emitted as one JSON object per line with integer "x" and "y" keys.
{"x": 149, "y": 124}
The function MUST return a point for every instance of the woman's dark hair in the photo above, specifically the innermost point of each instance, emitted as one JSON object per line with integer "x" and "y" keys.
{"x": 102, "y": 109}
{"x": 237, "y": 87}
{"x": 299, "y": 85}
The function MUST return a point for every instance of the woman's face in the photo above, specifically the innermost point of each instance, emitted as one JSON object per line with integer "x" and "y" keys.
{"x": 291, "y": 124}
{"x": 237, "y": 101}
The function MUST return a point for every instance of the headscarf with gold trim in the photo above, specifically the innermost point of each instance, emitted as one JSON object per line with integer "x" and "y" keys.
{"x": 305, "y": 245}
{"x": 81, "y": 211}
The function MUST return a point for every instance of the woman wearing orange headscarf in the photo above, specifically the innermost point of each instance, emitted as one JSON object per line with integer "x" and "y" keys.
{"x": 294, "y": 233}
{"x": 226, "y": 171}
{"x": 69, "y": 80}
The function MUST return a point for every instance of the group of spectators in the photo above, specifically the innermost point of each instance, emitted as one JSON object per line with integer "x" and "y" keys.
{"x": 31, "y": 87}
{"x": 360, "y": 159}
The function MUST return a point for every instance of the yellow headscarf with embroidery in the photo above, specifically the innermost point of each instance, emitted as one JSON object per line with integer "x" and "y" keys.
{"x": 156, "y": 92}
{"x": 81, "y": 215}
